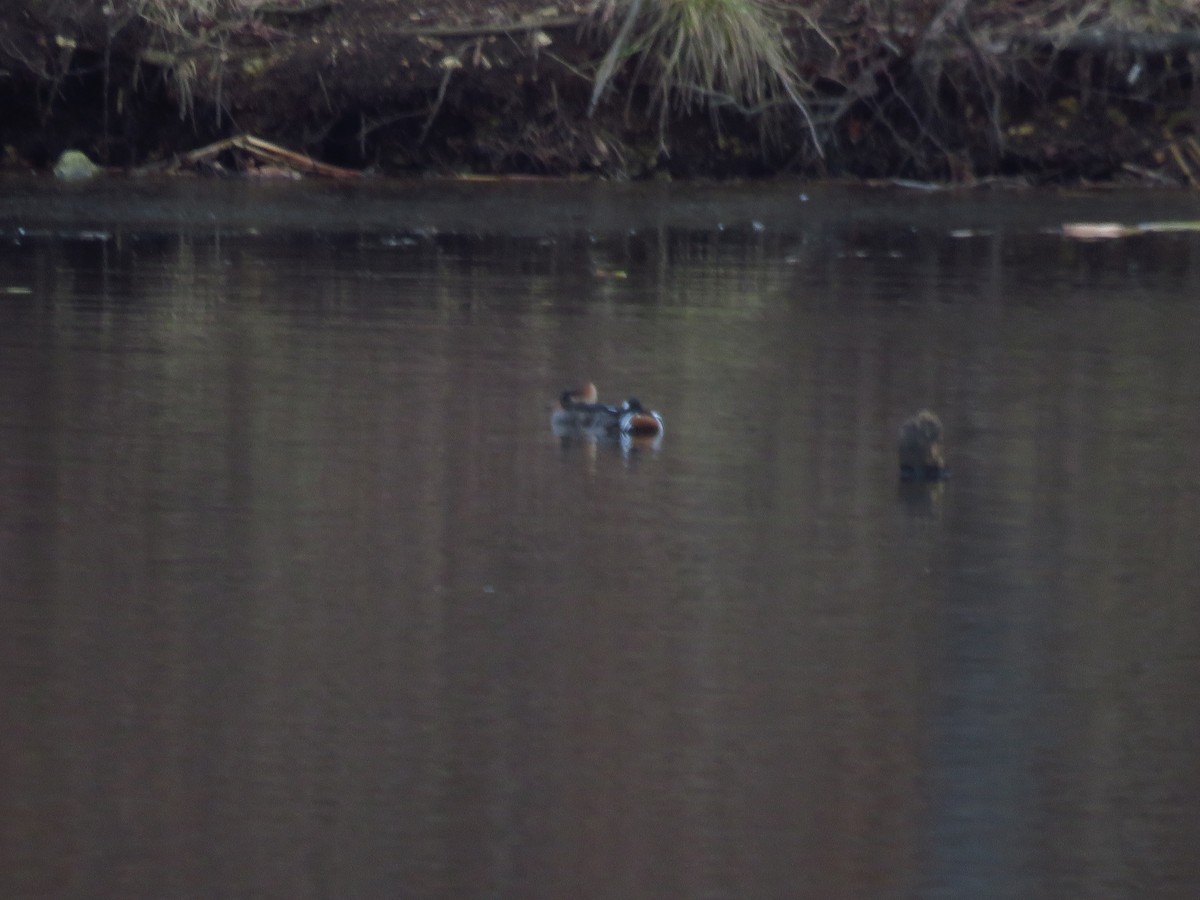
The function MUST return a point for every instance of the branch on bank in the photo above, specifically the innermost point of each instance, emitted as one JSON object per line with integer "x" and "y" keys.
{"x": 256, "y": 157}
{"x": 1112, "y": 40}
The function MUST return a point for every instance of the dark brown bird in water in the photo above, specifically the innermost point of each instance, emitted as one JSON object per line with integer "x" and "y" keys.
{"x": 920, "y": 448}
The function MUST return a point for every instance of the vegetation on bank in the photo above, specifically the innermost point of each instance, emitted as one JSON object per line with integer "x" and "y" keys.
{"x": 1041, "y": 90}
{"x": 709, "y": 55}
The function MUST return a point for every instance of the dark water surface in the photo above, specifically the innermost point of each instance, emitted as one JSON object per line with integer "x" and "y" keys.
{"x": 300, "y": 597}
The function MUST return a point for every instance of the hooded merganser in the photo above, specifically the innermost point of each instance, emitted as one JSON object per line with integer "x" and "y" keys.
{"x": 578, "y": 412}
{"x": 639, "y": 421}
{"x": 920, "y": 448}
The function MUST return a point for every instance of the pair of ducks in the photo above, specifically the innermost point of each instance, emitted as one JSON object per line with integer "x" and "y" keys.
{"x": 579, "y": 411}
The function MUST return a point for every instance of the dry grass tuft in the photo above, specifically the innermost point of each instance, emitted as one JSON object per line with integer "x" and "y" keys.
{"x": 705, "y": 55}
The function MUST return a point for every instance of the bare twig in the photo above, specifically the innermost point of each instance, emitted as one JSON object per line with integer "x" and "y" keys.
{"x": 1148, "y": 174}
{"x": 441, "y": 94}
{"x": 498, "y": 28}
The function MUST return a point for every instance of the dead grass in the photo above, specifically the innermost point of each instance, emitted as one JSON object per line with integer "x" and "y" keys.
{"x": 187, "y": 16}
{"x": 185, "y": 25}
{"x": 697, "y": 55}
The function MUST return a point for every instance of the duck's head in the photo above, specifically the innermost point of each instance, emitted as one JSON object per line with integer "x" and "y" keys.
{"x": 585, "y": 393}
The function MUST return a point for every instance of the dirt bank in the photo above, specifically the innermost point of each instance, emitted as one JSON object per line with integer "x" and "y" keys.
{"x": 959, "y": 91}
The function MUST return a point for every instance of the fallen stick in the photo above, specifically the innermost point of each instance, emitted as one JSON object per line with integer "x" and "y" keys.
{"x": 265, "y": 151}
{"x": 298, "y": 160}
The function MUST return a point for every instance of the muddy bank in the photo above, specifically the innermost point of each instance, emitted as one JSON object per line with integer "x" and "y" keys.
{"x": 959, "y": 91}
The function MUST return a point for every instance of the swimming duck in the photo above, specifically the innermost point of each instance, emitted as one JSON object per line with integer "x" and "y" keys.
{"x": 579, "y": 411}
{"x": 639, "y": 421}
{"x": 920, "y": 448}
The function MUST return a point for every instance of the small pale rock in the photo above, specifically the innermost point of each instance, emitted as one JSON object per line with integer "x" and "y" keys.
{"x": 75, "y": 166}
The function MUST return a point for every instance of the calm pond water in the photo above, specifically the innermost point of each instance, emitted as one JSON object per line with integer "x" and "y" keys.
{"x": 300, "y": 596}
